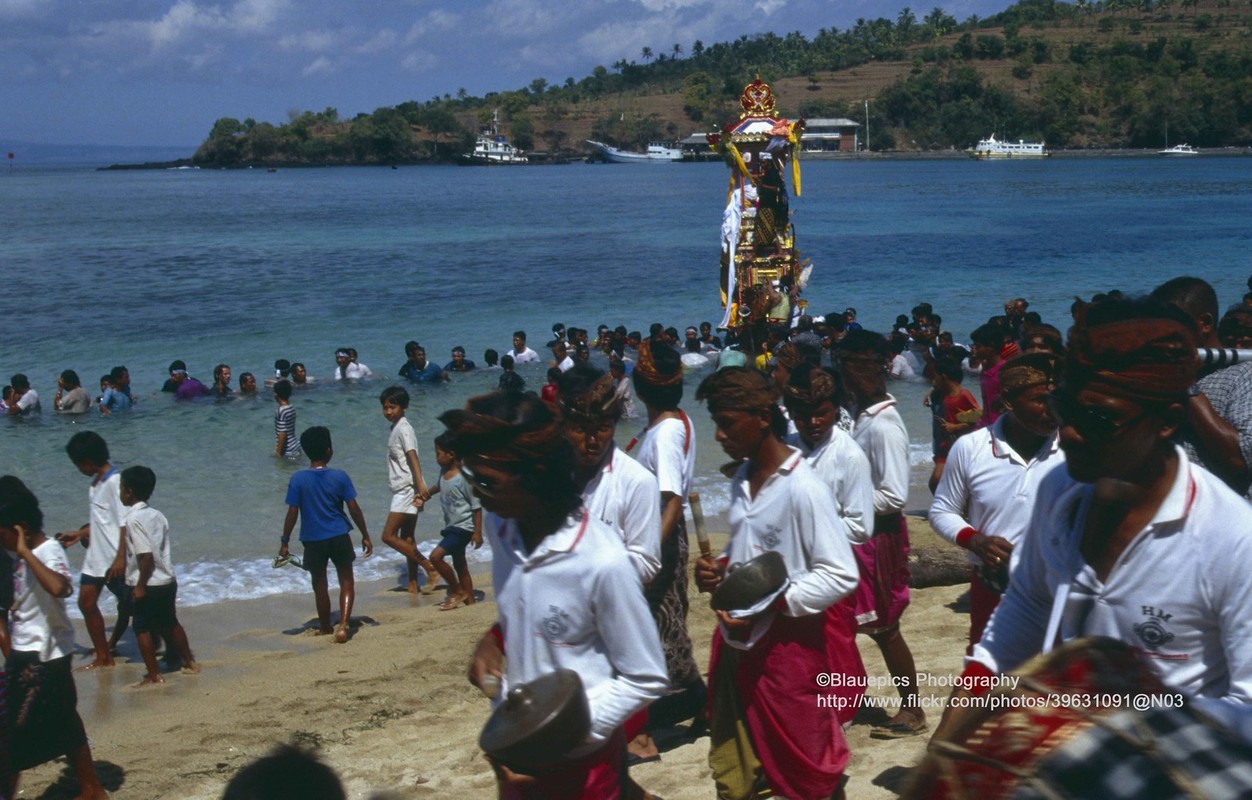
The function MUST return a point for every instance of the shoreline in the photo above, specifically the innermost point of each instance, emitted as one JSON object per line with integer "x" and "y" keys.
{"x": 392, "y": 711}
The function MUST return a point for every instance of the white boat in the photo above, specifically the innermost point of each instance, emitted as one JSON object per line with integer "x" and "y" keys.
{"x": 991, "y": 147}
{"x": 658, "y": 153}
{"x": 1179, "y": 150}
{"x": 493, "y": 148}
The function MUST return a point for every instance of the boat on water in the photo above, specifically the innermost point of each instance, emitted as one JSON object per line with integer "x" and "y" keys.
{"x": 1179, "y": 150}
{"x": 991, "y": 147}
{"x": 657, "y": 153}
{"x": 492, "y": 148}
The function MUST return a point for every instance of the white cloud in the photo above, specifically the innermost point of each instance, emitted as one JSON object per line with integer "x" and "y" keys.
{"x": 769, "y": 6}
{"x": 320, "y": 66}
{"x": 383, "y": 40}
{"x": 313, "y": 41}
{"x": 419, "y": 62}
{"x": 434, "y": 22}
{"x": 525, "y": 18}
{"x": 21, "y": 9}
{"x": 667, "y": 5}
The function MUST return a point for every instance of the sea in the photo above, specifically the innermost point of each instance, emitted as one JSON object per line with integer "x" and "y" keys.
{"x": 244, "y": 267}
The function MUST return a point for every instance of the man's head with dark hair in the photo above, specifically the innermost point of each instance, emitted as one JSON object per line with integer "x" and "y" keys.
{"x": 396, "y": 395}
{"x": 87, "y": 447}
{"x": 19, "y": 382}
{"x": 287, "y": 773}
{"x": 140, "y": 480}
{"x": 1195, "y": 298}
{"x": 316, "y": 443}
{"x": 283, "y": 390}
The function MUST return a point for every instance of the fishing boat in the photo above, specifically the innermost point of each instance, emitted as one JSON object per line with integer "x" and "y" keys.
{"x": 1179, "y": 150}
{"x": 657, "y": 153}
{"x": 991, "y": 147}
{"x": 762, "y": 273}
{"x": 492, "y": 148}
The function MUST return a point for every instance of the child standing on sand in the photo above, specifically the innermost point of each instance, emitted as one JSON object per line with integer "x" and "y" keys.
{"x": 462, "y": 526}
{"x": 316, "y": 497}
{"x": 41, "y": 700}
{"x": 150, "y": 574}
{"x": 408, "y": 488}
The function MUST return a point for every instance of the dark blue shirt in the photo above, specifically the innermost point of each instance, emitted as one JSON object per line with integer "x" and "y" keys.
{"x": 320, "y": 495}
{"x": 431, "y": 373}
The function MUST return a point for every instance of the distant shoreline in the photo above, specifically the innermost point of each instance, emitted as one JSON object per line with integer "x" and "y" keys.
{"x": 890, "y": 155}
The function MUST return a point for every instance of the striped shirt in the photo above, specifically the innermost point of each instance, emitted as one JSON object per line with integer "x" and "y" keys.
{"x": 285, "y": 422}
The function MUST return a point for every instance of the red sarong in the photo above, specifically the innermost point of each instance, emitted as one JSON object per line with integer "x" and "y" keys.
{"x": 883, "y": 593}
{"x": 799, "y": 744}
{"x": 845, "y": 659}
{"x": 595, "y": 776}
{"x": 982, "y": 603}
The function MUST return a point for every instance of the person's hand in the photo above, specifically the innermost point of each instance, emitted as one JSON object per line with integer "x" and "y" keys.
{"x": 282, "y": 550}
{"x": 367, "y": 547}
{"x": 737, "y": 629}
{"x": 993, "y": 550}
{"x": 418, "y": 502}
{"x": 22, "y": 548}
{"x": 477, "y": 539}
{"x": 67, "y": 538}
{"x": 487, "y": 664}
{"x": 139, "y": 592}
{"x": 116, "y": 570}
{"x": 508, "y": 777}
{"x": 708, "y": 573}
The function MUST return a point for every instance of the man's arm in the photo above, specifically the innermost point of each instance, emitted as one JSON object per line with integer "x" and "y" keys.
{"x": 147, "y": 564}
{"x": 1219, "y": 440}
{"x": 415, "y": 467}
{"x": 53, "y": 582}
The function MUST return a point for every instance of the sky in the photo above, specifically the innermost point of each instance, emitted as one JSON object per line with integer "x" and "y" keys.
{"x": 146, "y": 73}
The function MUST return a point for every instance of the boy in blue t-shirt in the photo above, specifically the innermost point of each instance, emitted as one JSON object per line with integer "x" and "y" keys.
{"x": 316, "y": 496}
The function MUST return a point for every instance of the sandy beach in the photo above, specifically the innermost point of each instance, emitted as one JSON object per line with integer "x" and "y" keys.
{"x": 391, "y": 711}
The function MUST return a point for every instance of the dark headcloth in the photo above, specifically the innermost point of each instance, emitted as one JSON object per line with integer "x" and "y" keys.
{"x": 1149, "y": 359}
{"x": 599, "y": 400}
{"x": 809, "y": 385}
{"x": 788, "y": 356}
{"x": 475, "y": 433}
{"x": 655, "y": 366}
{"x": 1027, "y": 371}
{"x": 737, "y": 389}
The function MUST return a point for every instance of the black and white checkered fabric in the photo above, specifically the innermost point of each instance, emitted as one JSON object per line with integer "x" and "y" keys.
{"x": 1159, "y": 754}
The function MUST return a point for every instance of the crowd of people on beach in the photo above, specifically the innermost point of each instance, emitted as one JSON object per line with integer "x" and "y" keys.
{"x": 1074, "y": 452}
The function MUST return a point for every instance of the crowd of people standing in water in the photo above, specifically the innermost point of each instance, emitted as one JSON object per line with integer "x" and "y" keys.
{"x": 1074, "y": 452}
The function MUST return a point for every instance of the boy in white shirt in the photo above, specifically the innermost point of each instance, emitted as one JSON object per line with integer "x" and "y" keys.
{"x": 408, "y": 488}
{"x": 40, "y": 697}
{"x": 150, "y": 574}
{"x": 105, "y": 539}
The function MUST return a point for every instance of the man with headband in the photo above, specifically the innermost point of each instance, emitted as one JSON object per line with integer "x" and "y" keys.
{"x": 566, "y": 592}
{"x": 813, "y": 399}
{"x": 615, "y": 489}
{"x": 768, "y": 730}
{"x": 992, "y": 476}
{"x": 1132, "y": 540}
{"x": 667, "y": 449}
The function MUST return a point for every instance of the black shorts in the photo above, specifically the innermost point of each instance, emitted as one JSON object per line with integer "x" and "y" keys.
{"x": 455, "y": 540}
{"x": 317, "y": 554}
{"x": 41, "y": 712}
{"x": 115, "y": 585}
{"x": 154, "y": 612}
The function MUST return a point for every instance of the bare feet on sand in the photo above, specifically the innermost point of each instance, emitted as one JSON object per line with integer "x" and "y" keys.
{"x": 412, "y": 587}
{"x": 149, "y": 680}
{"x": 456, "y": 601}
{"x": 341, "y": 635}
{"x": 97, "y": 664}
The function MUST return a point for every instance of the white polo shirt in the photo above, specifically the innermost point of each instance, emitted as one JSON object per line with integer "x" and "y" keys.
{"x": 793, "y": 514}
{"x": 526, "y": 356}
{"x": 988, "y": 486}
{"x": 623, "y": 495}
{"x": 147, "y": 531}
{"x": 399, "y": 443}
{"x": 40, "y": 622}
{"x": 1179, "y": 593}
{"x": 574, "y": 603}
{"x": 668, "y": 451}
{"x": 881, "y": 434}
{"x": 108, "y": 517}
{"x": 844, "y": 467}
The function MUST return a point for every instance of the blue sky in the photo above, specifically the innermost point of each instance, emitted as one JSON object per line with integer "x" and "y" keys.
{"x": 140, "y": 72}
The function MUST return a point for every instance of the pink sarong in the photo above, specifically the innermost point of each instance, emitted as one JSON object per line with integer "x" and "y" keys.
{"x": 845, "y": 659}
{"x": 774, "y": 692}
{"x": 883, "y": 593}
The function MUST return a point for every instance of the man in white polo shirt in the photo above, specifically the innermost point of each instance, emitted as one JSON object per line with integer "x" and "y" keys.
{"x": 1131, "y": 540}
{"x": 520, "y": 352}
{"x": 988, "y": 488}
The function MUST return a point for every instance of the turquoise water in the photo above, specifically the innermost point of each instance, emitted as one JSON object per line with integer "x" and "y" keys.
{"x": 243, "y": 267}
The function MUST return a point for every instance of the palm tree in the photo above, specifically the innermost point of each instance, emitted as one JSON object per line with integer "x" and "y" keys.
{"x": 646, "y": 53}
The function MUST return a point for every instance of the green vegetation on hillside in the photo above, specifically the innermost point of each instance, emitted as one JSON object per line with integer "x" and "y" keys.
{"x": 1117, "y": 73}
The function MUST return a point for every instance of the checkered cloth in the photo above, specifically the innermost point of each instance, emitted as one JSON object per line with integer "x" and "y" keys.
{"x": 1159, "y": 754}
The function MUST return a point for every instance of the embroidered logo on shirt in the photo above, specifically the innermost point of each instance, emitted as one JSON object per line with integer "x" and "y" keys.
{"x": 771, "y": 537}
{"x": 1153, "y": 633}
{"x": 556, "y": 624}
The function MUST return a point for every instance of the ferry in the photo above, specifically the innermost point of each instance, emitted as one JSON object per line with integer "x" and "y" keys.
{"x": 992, "y": 147}
{"x": 657, "y": 153}
{"x": 492, "y": 148}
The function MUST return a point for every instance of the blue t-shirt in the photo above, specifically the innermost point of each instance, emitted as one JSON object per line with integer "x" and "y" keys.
{"x": 431, "y": 373}
{"x": 320, "y": 495}
{"x": 115, "y": 399}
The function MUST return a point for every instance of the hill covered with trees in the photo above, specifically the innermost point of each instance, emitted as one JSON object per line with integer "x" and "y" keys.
{"x": 1088, "y": 74}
